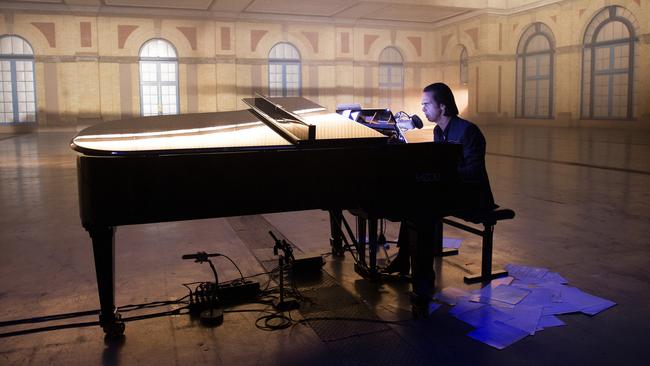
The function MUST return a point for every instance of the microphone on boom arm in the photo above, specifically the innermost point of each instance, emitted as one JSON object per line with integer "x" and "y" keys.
{"x": 406, "y": 122}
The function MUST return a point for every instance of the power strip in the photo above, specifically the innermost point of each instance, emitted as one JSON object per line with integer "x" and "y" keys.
{"x": 231, "y": 293}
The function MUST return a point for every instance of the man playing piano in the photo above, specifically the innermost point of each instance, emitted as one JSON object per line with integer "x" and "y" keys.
{"x": 416, "y": 241}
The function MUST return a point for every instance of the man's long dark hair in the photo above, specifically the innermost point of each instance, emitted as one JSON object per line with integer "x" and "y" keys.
{"x": 443, "y": 95}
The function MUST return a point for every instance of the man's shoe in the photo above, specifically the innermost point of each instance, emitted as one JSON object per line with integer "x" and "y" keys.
{"x": 420, "y": 306}
{"x": 400, "y": 264}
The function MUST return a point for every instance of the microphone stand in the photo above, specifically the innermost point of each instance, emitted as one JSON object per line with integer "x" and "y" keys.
{"x": 213, "y": 315}
{"x": 284, "y": 303}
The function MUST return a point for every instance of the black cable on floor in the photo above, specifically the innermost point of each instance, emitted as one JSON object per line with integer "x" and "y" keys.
{"x": 47, "y": 329}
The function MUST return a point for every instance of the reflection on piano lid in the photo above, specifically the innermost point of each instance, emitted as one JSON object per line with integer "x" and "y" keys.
{"x": 284, "y": 122}
{"x": 245, "y": 129}
{"x": 330, "y": 126}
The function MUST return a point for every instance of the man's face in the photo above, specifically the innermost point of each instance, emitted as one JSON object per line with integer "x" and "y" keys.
{"x": 432, "y": 110}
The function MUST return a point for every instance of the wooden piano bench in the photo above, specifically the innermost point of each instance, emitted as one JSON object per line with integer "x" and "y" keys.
{"x": 488, "y": 221}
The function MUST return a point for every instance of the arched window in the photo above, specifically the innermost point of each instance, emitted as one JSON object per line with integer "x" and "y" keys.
{"x": 608, "y": 65}
{"x": 391, "y": 78}
{"x": 158, "y": 78}
{"x": 464, "y": 67}
{"x": 17, "y": 91}
{"x": 535, "y": 72}
{"x": 284, "y": 71}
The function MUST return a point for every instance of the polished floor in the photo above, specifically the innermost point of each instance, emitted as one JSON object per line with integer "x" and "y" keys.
{"x": 583, "y": 209}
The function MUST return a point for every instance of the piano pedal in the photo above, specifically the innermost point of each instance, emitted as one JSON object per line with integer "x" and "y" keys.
{"x": 367, "y": 273}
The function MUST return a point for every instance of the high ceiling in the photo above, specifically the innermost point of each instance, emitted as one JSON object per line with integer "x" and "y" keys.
{"x": 414, "y": 12}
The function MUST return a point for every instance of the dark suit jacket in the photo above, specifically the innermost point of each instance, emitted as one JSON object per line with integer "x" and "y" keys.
{"x": 471, "y": 167}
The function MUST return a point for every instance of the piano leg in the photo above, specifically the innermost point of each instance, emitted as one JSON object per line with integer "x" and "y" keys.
{"x": 421, "y": 235}
{"x": 103, "y": 239}
{"x": 372, "y": 245}
{"x": 336, "y": 240}
{"x": 361, "y": 248}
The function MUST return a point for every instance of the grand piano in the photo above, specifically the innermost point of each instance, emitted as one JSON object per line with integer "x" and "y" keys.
{"x": 281, "y": 154}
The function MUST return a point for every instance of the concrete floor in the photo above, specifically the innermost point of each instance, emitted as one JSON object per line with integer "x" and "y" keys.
{"x": 583, "y": 209}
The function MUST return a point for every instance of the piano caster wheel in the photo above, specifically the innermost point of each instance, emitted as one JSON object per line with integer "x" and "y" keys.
{"x": 115, "y": 328}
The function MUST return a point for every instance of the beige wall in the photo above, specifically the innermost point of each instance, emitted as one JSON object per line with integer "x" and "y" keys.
{"x": 221, "y": 62}
{"x": 491, "y": 42}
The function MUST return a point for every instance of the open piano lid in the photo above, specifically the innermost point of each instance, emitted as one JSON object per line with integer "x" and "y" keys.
{"x": 284, "y": 122}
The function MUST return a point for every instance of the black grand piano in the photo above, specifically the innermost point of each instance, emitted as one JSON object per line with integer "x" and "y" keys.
{"x": 281, "y": 154}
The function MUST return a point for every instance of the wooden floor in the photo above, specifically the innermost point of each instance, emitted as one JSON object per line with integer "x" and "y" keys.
{"x": 583, "y": 209}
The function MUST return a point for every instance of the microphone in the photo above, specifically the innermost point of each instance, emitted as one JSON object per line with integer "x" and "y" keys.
{"x": 417, "y": 122}
{"x": 406, "y": 122}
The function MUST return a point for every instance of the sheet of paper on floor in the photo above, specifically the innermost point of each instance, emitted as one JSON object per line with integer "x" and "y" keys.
{"x": 548, "y": 321}
{"x": 451, "y": 295}
{"x": 483, "y": 316}
{"x": 526, "y": 302}
{"x": 451, "y": 243}
{"x": 498, "y": 335}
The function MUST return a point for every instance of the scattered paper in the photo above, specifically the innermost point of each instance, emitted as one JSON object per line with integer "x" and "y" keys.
{"x": 451, "y": 243}
{"x": 554, "y": 277}
{"x": 497, "y": 335}
{"x": 524, "y": 317}
{"x": 593, "y": 310}
{"x": 464, "y": 305}
{"x": 559, "y": 308}
{"x": 549, "y": 321}
{"x": 433, "y": 306}
{"x": 450, "y": 295}
{"x": 501, "y": 281}
{"x": 503, "y": 293}
{"x": 526, "y": 272}
{"x": 510, "y": 308}
{"x": 540, "y": 297}
{"x": 482, "y": 316}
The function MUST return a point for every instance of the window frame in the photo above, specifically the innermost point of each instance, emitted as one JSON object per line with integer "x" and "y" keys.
{"x": 12, "y": 58}
{"x": 388, "y": 66}
{"x": 284, "y": 62}
{"x": 522, "y": 77}
{"x": 157, "y": 62}
{"x": 464, "y": 66}
{"x": 591, "y": 46}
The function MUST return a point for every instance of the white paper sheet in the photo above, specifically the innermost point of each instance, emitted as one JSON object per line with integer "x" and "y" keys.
{"x": 451, "y": 243}
{"x": 451, "y": 295}
{"x": 498, "y": 335}
{"x": 482, "y": 316}
{"x": 548, "y": 321}
{"x": 524, "y": 317}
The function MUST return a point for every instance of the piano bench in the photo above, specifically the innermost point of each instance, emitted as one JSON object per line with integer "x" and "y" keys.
{"x": 488, "y": 221}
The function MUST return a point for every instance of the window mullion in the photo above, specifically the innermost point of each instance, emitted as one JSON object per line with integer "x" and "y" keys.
{"x": 537, "y": 84}
{"x": 610, "y": 85}
{"x": 159, "y": 89}
{"x": 592, "y": 88}
{"x": 284, "y": 80}
{"x": 524, "y": 77}
{"x": 14, "y": 91}
{"x": 630, "y": 79}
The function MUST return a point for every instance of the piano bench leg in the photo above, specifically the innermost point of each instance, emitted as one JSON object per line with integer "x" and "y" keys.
{"x": 482, "y": 278}
{"x": 487, "y": 274}
{"x": 447, "y": 253}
